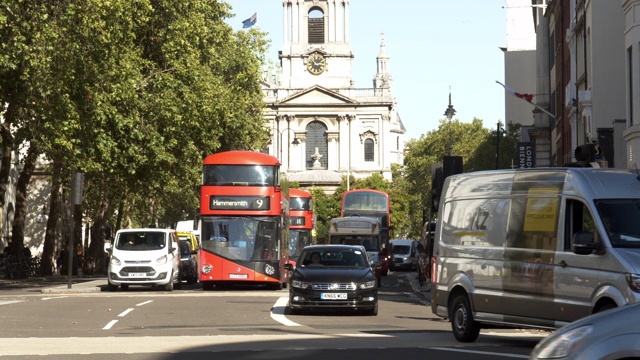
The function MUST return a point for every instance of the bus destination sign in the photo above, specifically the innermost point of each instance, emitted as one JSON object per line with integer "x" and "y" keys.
{"x": 239, "y": 203}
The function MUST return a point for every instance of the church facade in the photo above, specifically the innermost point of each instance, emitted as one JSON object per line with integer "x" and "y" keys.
{"x": 321, "y": 126}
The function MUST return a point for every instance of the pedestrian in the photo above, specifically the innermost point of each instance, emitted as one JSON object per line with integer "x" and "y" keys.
{"x": 59, "y": 263}
{"x": 80, "y": 259}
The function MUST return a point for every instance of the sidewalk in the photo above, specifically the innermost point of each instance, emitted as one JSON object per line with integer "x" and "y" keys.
{"x": 57, "y": 284}
{"x": 425, "y": 289}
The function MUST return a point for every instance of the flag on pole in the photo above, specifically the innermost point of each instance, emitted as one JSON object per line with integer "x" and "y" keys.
{"x": 526, "y": 97}
{"x": 250, "y": 21}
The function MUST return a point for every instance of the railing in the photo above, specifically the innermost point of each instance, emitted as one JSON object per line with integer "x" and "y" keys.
{"x": 363, "y": 94}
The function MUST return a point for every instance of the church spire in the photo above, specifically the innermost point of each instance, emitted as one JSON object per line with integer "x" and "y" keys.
{"x": 383, "y": 77}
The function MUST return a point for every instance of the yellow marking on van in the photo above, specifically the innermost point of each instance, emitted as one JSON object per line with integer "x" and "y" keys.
{"x": 469, "y": 233}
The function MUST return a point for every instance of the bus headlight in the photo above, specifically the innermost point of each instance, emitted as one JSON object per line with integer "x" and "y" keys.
{"x": 207, "y": 268}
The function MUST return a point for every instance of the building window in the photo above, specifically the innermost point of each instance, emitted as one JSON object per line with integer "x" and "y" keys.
{"x": 315, "y": 27}
{"x": 630, "y": 86}
{"x": 368, "y": 150}
{"x": 316, "y": 139}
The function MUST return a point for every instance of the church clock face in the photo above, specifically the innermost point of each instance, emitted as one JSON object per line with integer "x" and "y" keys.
{"x": 316, "y": 64}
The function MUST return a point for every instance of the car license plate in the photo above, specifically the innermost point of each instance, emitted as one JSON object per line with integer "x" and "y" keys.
{"x": 333, "y": 296}
{"x": 137, "y": 275}
{"x": 237, "y": 276}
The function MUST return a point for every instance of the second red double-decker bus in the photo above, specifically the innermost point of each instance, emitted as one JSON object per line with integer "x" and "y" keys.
{"x": 375, "y": 204}
{"x": 302, "y": 224}
{"x": 244, "y": 220}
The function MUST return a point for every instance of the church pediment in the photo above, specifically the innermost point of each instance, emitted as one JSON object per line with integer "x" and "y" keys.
{"x": 317, "y": 95}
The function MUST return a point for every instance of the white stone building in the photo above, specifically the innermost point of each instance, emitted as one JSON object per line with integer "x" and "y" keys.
{"x": 322, "y": 127}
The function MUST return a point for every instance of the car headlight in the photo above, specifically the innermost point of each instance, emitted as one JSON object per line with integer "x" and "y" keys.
{"x": 562, "y": 345}
{"x": 115, "y": 261}
{"x": 162, "y": 260}
{"x": 368, "y": 284}
{"x": 300, "y": 284}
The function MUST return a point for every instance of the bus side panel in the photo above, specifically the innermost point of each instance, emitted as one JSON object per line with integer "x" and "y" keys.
{"x": 226, "y": 270}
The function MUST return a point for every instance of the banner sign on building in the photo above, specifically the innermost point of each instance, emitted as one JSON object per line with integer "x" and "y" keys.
{"x": 526, "y": 155}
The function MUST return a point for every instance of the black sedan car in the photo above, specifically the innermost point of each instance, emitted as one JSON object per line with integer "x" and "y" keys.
{"x": 335, "y": 277}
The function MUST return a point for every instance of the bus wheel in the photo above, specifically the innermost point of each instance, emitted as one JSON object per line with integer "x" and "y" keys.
{"x": 464, "y": 327}
{"x": 207, "y": 285}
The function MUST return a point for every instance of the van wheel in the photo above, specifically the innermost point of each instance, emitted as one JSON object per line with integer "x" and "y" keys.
{"x": 464, "y": 327}
{"x": 169, "y": 286}
{"x": 111, "y": 287}
{"x": 124, "y": 287}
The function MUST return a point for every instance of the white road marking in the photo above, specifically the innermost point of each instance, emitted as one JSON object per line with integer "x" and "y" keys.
{"x": 125, "y": 312}
{"x": 277, "y": 312}
{"x": 110, "y": 325}
{"x": 7, "y": 302}
{"x": 145, "y": 303}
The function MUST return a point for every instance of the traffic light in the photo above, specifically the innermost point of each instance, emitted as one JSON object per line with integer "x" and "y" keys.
{"x": 451, "y": 165}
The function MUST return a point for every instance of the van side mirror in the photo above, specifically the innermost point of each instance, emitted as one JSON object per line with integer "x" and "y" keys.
{"x": 583, "y": 243}
{"x": 107, "y": 247}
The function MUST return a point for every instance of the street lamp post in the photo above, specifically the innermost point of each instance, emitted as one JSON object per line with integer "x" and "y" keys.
{"x": 449, "y": 112}
{"x": 498, "y": 146}
{"x": 294, "y": 142}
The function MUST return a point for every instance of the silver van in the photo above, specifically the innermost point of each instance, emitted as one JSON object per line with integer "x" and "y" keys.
{"x": 404, "y": 254}
{"x": 535, "y": 248}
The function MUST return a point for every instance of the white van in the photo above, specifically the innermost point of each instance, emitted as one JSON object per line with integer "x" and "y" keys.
{"x": 144, "y": 257}
{"x": 535, "y": 248}
{"x": 404, "y": 254}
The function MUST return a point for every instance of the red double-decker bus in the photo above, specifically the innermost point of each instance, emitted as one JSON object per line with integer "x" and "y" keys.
{"x": 244, "y": 220}
{"x": 303, "y": 219}
{"x": 374, "y": 204}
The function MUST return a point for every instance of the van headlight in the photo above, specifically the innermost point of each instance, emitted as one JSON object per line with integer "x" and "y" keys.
{"x": 562, "y": 345}
{"x": 368, "y": 284}
{"x": 115, "y": 261}
{"x": 300, "y": 284}
{"x": 162, "y": 260}
{"x": 634, "y": 282}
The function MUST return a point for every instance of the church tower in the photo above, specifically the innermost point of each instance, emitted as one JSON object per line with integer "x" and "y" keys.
{"x": 321, "y": 126}
{"x": 316, "y": 45}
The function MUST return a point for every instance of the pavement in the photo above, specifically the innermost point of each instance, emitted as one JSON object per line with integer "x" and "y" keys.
{"x": 57, "y": 284}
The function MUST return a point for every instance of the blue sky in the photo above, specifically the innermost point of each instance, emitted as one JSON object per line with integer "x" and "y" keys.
{"x": 432, "y": 45}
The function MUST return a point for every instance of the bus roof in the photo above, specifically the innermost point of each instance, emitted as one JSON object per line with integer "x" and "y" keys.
{"x": 299, "y": 193}
{"x": 241, "y": 157}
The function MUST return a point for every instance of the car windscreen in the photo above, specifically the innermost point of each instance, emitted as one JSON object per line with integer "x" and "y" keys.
{"x": 333, "y": 258}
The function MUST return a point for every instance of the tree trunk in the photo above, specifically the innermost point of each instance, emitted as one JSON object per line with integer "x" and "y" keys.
{"x": 54, "y": 214}
{"x": 17, "y": 233}
{"x": 5, "y": 170}
{"x": 98, "y": 234}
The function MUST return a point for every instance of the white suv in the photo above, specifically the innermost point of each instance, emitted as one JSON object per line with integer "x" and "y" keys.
{"x": 144, "y": 257}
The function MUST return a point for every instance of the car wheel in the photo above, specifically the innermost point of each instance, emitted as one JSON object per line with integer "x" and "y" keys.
{"x": 374, "y": 311}
{"x": 464, "y": 327}
{"x": 379, "y": 281}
